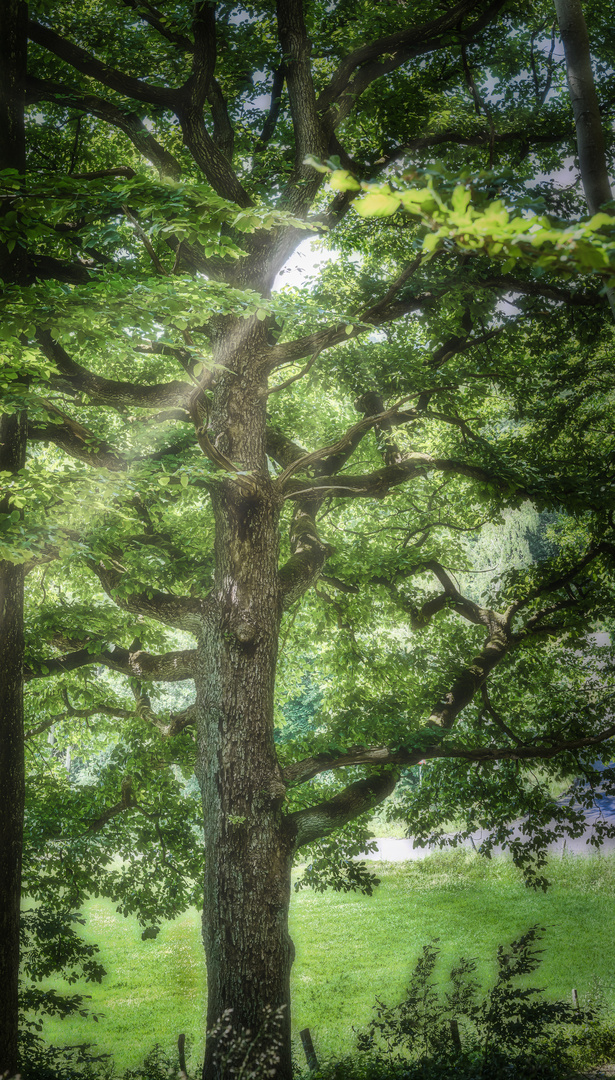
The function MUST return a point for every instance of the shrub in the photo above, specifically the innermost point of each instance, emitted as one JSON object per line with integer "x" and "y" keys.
{"x": 512, "y": 1030}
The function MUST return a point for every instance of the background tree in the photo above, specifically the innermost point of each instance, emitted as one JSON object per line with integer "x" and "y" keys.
{"x": 12, "y": 458}
{"x": 304, "y": 463}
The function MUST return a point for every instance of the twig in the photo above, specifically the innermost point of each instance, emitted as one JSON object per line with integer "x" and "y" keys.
{"x": 294, "y": 378}
{"x": 147, "y": 244}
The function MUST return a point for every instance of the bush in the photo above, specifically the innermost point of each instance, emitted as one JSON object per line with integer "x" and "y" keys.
{"x": 156, "y": 1066}
{"x": 511, "y": 1031}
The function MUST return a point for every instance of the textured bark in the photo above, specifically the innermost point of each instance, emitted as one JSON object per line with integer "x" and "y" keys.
{"x": 169, "y": 667}
{"x": 13, "y": 16}
{"x": 584, "y": 100}
{"x": 12, "y": 448}
{"x": 247, "y": 850}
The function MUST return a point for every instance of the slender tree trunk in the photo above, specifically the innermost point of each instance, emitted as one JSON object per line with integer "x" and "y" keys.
{"x": 584, "y": 100}
{"x": 247, "y": 852}
{"x": 12, "y": 452}
{"x": 13, "y": 22}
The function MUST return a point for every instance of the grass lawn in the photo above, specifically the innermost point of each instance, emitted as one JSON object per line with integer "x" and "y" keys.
{"x": 351, "y": 948}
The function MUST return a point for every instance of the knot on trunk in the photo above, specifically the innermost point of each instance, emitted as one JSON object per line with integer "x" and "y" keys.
{"x": 276, "y": 792}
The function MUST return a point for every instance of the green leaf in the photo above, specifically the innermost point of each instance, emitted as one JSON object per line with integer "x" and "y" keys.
{"x": 342, "y": 180}
{"x": 377, "y": 204}
{"x": 316, "y": 164}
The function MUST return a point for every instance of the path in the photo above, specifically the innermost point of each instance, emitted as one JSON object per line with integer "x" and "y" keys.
{"x": 402, "y": 850}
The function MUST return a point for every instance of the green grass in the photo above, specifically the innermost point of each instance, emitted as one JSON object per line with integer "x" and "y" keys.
{"x": 351, "y": 948}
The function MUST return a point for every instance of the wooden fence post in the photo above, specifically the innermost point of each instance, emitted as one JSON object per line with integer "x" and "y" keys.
{"x": 308, "y": 1047}
{"x": 181, "y": 1050}
{"x": 575, "y": 999}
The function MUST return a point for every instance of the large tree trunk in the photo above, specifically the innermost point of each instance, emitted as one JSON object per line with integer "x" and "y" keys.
{"x": 12, "y": 452}
{"x": 247, "y": 852}
{"x": 13, "y": 21}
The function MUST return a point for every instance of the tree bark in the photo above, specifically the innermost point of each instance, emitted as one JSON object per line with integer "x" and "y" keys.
{"x": 248, "y": 853}
{"x": 13, "y": 20}
{"x": 584, "y": 100}
{"x": 12, "y": 454}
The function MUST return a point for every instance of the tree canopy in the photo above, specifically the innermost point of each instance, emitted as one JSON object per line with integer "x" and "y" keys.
{"x": 367, "y": 516}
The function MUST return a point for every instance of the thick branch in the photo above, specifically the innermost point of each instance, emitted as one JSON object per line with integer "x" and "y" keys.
{"x": 472, "y": 678}
{"x": 128, "y": 122}
{"x": 282, "y": 449}
{"x": 208, "y": 157}
{"x": 111, "y": 391}
{"x": 309, "y": 135}
{"x": 166, "y": 667}
{"x": 77, "y": 441}
{"x": 324, "y": 818}
{"x": 328, "y": 336}
{"x": 376, "y": 485}
{"x": 590, "y": 139}
{"x": 183, "y": 612}
{"x": 309, "y": 555}
{"x": 212, "y": 155}
{"x": 88, "y": 65}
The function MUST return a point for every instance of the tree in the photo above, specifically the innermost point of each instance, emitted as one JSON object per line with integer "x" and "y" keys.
{"x": 211, "y": 423}
{"x": 12, "y": 458}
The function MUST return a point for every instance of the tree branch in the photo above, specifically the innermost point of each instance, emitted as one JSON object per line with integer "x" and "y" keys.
{"x": 77, "y": 441}
{"x": 128, "y": 122}
{"x": 585, "y": 106}
{"x": 126, "y": 802}
{"x": 110, "y": 391}
{"x": 377, "y": 484}
{"x": 309, "y": 134}
{"x": 336, "y": 454}
{"x": 362, "y": 66}
{"x": 88, "y": 65}
{"x": 309, "y": 555}
{"x": 473, "y": 677}
{"x": 212, "y": 155}
{"x": 166, "y": 667}
{"x": 156, "y": 19}
{"x": 80, "y": 714}
{"x": 451, "y": 598}
{"x": 277, "y": 87}
{"x": 300, "y": 771}
{"x": 183, "y": 612}
{"x": 325, "y": 817}
{"x": 377, "y": 315}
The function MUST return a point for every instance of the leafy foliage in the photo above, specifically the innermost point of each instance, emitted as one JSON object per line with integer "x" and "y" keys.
{"x": 512, "y": 1029}
{"x": 428, "y": 422}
